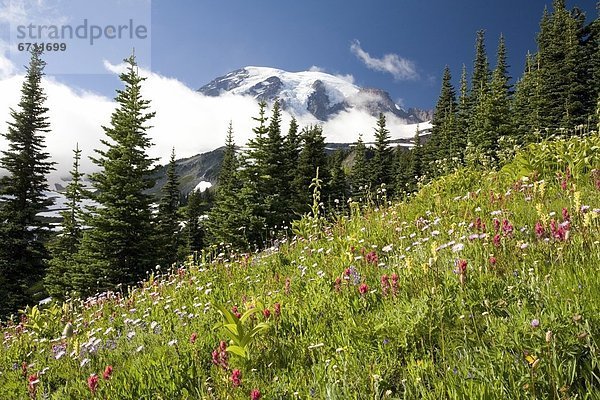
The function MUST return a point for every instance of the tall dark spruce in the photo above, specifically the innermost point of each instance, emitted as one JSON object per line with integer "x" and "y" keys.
{"x": 118, "y": 247}
{"x": 23, "y": 232}
{"x": 168, "y": 220}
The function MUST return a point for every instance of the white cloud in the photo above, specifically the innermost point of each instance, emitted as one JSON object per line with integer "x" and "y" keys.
{"x": 185, "y": 119}
{"x": 400, "y": 68}
{"x": 315, "y": 68}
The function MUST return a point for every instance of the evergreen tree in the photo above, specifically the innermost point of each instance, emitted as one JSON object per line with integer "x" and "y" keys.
{"x": 275, "y": 184}
{"x": 64, "y": 246}
{"x": 195, "y": 230}
{"x": 338, "y": 187}
{"x": 292, "y": 147}
{"x": 226, "y": 219}
{"x": 481, "y": 70}
{"x": 526, "y": 102}
{"x": 312, "y": 156}
{"x": 459, "y": 141}
{"x": 118, "y": 246}
{"x": 23, "y": 255}
{"x": 360, "y": 182}
{"x": 564, "y": 100}
{"x": 168, "y": 229}
{"x": 493, "y": 114}
{"x": 444, "y": 129}
{"x": 383, "y": 157}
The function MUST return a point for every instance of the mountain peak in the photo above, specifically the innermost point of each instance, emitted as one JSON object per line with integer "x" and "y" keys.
{"x": 317, "y": 93}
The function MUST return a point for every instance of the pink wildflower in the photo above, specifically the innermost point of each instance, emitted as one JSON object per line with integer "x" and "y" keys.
{"x": 236, "y": 377}
{"x": 363, "y": 288}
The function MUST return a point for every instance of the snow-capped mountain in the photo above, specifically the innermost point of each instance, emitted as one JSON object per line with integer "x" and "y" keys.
{"x": 308, "y": 92}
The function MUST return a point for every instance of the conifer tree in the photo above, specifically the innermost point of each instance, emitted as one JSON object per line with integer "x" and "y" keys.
{"x": 168, "y": 230}
{"x": 292, "y": 147}
{"x": 338, "y": 188}
{"x": 382, "y": 161}
{"x": 275, "y": 183}
{"x": 226, "y": 219}
{"x": 459, "y": 141}
{"x": 312, "y": 156}
{"x": 195, "y": 230}
{"x": 526, "y": 102}
{"x": 444, "y": 125}
{"x": 481, "y": 70}
{"x": 118, "y": 246}
{"x": 23, "y": 255}
{"x": 62, "y": 267}
{"x": 493, "y": 113}
{"x": 360, "y": 182}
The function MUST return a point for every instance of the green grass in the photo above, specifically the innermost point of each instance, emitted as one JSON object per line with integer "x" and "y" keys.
{"x": 425, "y": 336}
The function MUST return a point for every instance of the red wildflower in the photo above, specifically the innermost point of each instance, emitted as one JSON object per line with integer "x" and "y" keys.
{"x": 92, "y": 382}
{"x": 507, "y": 227}
{"x": 255, "y": 394}
{"x": 539, "y": 230}
{"x": 220, "y": 358}
{"x": 236, "y": 377}
{"x": 32, "y": 382}
{"x": 496, "y": 224}
{"x": 235, "y": 312}
{"x": 107, "y": 372}
{"x": 385, "y": 284}
{"x": 496, "y": 240}
{"x": 461, "y": 266}
{"x": 363, "y": 288}
{"x": 266, "y": 313}
{"x": 277, "y": 308}
{"x": 347, "y": 272}
{"x": 337, "y": 285}
{"x": 193, "y": 338}
{"x": 372, "y": 258}
{"x": 288, "y": 285}
{"x": 565, "y": 215}
{"x": 493, "y": 260}
{"x": 394, "y": 277}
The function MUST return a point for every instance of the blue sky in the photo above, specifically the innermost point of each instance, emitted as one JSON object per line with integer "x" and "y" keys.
{"x": 196, "y": 41}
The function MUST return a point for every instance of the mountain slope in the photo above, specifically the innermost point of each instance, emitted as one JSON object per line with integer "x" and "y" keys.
{"x": 308, "y": 92}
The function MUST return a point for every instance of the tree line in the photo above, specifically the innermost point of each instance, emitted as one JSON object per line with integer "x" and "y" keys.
{"x": 262, "y": 189}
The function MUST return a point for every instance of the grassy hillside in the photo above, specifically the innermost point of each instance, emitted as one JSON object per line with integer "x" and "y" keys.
{"x": 484, "y": 285}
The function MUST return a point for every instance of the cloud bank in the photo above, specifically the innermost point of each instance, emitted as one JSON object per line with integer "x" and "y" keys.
{"x": 185, "y": 119}
{"x": 400, "y": 68}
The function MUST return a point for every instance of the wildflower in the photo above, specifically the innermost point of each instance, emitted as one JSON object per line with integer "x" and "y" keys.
{"x": 193, "y": 338}
{"x": 337, "y": 284}
{"x": 461, "y": 266}
{"x": 266, "y": 313}
{"x": 92, "y": 382}
{"x": 32, "y": 382}
{"x": 255, "y": 394}
{"x": 565, "y": 215}
{"x": 496, "y": 224}
{"x": 277, "y": 309}
{"x": 535, "y": 323}
{"x": 496, "y": 240}
{"x": 539, "y": 230}
{"x": 458, "y": 247}
{"x": 507, "y": 227}
{"x": 363, "y": 288}
{"x": 385, "y": 284}
{"x": 493, "y": 260}
{"x": 372, "y": 258}
{"x": 236, "y": 377}
{"x": 235, "y": 312}
{"x": 288, "y": 285}
{"x": 107, "y": 372}
{"x": 220, "y": 357}
{"x": 394, "y": 278}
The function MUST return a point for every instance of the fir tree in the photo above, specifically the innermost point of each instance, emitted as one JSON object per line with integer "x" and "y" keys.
{"x": 526, "y": 102}
{"x": 226, "y": 219}
{"x": 459, "y": 141}
{"x": 118, "y": 246}
{"x": 195, "y": 230}
{"x": 338, "y": 188}
{"x": 62, "y": 267}
{"x": 167, "y": 229}
{"x": 312, "y": 156}
{"x": 444, "y": 125}
{"x": 382, "y": 161}
{"x": 360, "y": 182}
{"x": 23, "y": 255}
{"x": 481, "y": 70}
